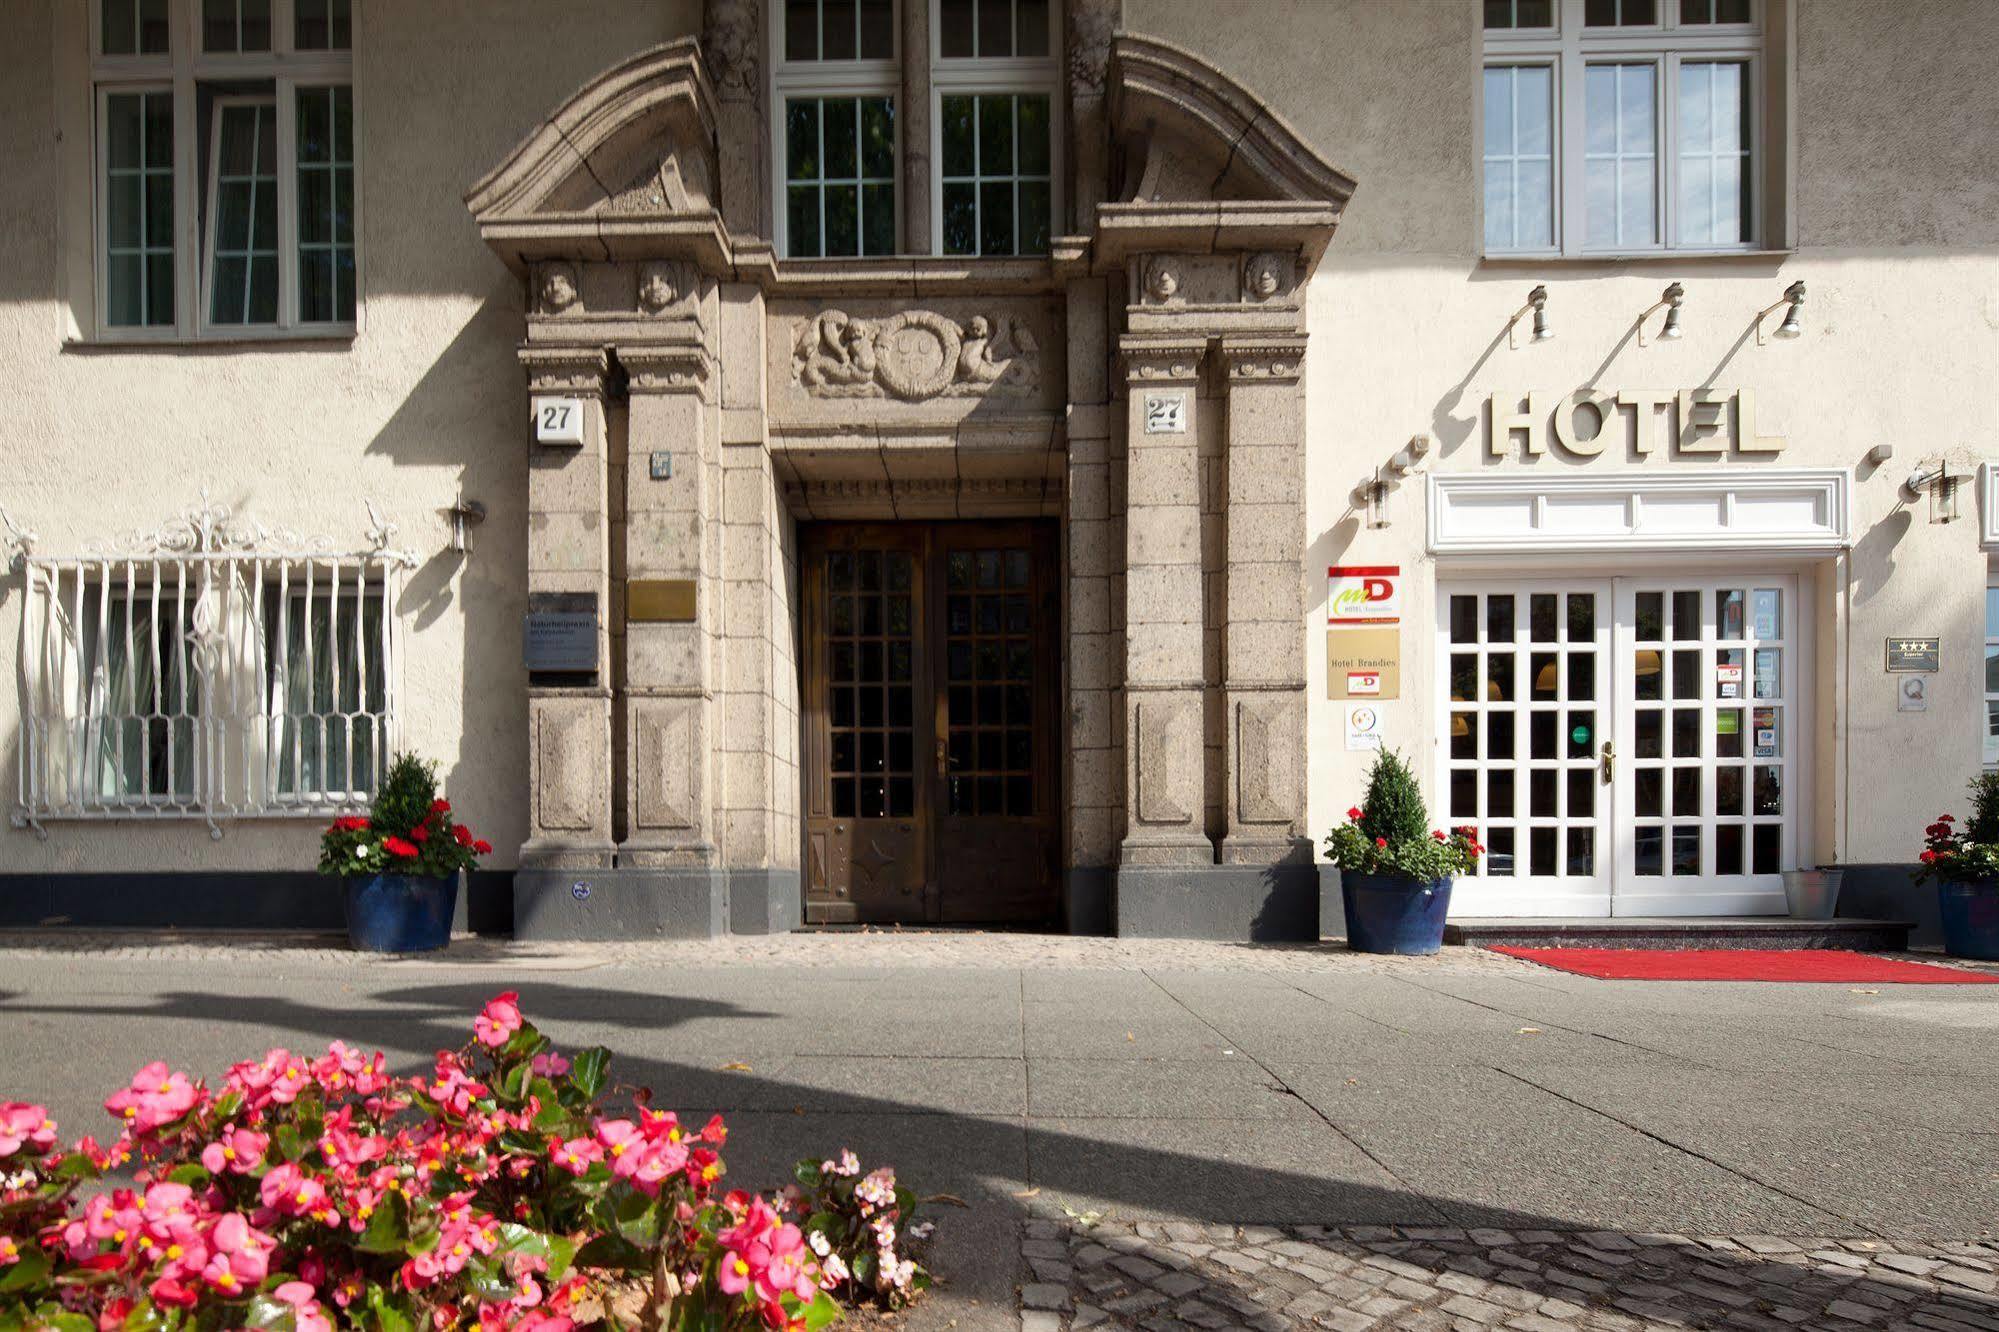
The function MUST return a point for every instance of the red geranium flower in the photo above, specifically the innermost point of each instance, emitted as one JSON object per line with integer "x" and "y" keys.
{"x": 440, "y": 806}
{"x": 1354, "y": 813}
{"x": 482, "y": 846}
{"x": 420, "y": 833}
{"x": 396, "y": 846}
{"x": 1381, "y": 841}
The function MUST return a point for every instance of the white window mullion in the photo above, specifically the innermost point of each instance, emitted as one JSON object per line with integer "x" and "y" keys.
{"x": 288, "y": 194}
{"x": 187, "y": 209}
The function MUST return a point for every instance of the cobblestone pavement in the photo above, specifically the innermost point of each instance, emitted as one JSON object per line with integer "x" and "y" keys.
{"x": 1165, "y": 1277}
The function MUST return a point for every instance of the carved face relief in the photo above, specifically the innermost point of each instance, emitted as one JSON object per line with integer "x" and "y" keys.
{"x": 1265, "y": 275}
{"x": 1161, "y": 282}
{"x": 558, "y": 287}
{"x": 656, "y": 287}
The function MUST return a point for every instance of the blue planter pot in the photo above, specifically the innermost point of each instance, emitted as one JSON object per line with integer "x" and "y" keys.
{"x": 1970, "y": 914}
{"x": 400, "y": 913}
{"x": 1387, "y": 913}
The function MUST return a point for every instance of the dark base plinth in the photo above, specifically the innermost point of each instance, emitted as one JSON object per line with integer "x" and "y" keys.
{"x": 690, "y": 903}
{"x": 1247, "y": 903}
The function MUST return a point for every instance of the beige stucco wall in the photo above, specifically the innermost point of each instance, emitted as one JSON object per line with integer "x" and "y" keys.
{"x": 426, "y": 400}
{"x": 1401, "y": 348}
{"x": 1896, "y": 222}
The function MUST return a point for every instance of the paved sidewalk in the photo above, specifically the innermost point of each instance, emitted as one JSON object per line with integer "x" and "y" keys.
{"x": 1148, "y": 1082}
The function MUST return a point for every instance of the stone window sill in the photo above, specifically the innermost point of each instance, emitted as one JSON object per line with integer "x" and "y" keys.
{"x": 331, "y": 339}
{"x": 1640, "y": 257}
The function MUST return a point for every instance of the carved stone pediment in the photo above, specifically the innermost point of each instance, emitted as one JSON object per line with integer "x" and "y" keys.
{"x": 625, "y": 168}
{"x": 1205, "y": 164}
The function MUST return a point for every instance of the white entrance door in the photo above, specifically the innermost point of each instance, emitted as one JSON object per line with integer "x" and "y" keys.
{"x": 1705, "y": 764}
{"x": 1525, "y": 670}
{"x": 1625, "y": 747}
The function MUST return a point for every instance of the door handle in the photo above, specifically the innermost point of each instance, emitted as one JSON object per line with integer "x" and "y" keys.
{"x": 1607, "y": 761}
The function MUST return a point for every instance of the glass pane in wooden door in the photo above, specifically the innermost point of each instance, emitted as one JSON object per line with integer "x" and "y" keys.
{"x": 1527, "y": 715}
{"x": 867, "y": 728}
{"x": 998, "y": 819}
{"x": 989, "y": 652}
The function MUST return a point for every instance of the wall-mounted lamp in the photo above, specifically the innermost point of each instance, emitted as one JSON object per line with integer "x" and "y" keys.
{"x": 1793, "y": 305}
{"x": 1537, "y": 302}
{"x": 465, "y": 515}
{"x": 1670, "y": 300}
{"x": 1935, "y": 478}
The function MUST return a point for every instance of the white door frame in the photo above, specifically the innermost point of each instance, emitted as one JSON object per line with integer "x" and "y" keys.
{"x": 1622, "y": 892}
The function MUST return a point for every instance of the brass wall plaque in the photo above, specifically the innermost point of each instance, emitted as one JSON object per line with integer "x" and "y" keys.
{"x": 1364, "y": 663}
{"x": 659, "y": 600}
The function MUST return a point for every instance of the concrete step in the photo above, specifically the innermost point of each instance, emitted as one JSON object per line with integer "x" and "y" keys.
{"x": 1860, "y": 935}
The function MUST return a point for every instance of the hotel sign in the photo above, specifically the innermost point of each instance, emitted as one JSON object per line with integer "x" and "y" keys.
{"x": 1689, "y": 423}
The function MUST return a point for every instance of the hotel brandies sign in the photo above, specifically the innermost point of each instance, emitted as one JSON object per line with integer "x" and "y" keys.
{"x": 1689, "y": 423}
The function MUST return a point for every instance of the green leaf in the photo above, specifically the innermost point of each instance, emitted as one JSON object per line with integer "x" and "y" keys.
{"x": 390, "y": 1315}
{"x": 286, "y": 1138}
{"x": 266, "y": 1312}
{"x": 26, "y": 1271}
{"x": 551, "y": 1117}
{"x": 807, "y": 1173}
{"x": 192, "y": 1175}
{"x": 613, "y": 1252}
{"x": 58, "y": 1318}
{"x": 145, "y": 1318}
{"x": 76, "y": 1167}
{"x": 587, "y": 1071}
{"x": 820, "y": 1312}
{"x": 637, "y": 1218}
{"x": 388, "y": 1228}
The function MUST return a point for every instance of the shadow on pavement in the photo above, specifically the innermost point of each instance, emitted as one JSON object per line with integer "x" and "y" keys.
{"x": 1005, "y": 1166}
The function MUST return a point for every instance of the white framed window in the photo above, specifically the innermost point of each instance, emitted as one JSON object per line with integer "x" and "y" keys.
{"x": 991, "y": 80}
{"x": 224, "y": 175}
{"x": 994, "y": 94}
{"x": 837, "y": 82}
{"x": 200, "y": 674}
{"x": 1622, "y": 126}
{"x": 1992, "y": 670}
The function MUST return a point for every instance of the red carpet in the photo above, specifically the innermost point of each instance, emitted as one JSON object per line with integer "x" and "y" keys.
{"x": 1832, "y": 966}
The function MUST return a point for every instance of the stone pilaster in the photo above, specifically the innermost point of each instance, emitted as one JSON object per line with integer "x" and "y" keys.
{"x": 1094, "y": 736}
{"x": 568, "y": 556}
{"x": 912, "y": 108}
{"x": 669, "y": 710}
{"x": 1163, "y": 674}
{"x": 732, "y": 45}
{"x": 1263, "y": 662}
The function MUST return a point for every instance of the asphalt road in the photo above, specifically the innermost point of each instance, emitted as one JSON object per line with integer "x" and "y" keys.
{"x": 1150, "y": 1081}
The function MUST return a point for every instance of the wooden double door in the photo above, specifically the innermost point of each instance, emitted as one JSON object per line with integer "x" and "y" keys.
{"x": 929, "y": 688}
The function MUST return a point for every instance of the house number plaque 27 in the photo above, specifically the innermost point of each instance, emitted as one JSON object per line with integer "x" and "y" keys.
{"x": 1165, "y": 413}
{"x": 558, "y": 421}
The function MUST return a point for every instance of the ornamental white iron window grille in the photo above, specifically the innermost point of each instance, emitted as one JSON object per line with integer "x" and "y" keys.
{"x": 212, "y": 669}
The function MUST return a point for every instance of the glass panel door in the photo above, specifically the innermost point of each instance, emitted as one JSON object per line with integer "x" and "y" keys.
{"x": 1524, "y": 725}
{"x": 1707, "y": 768}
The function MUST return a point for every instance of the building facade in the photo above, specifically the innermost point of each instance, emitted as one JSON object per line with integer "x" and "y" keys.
{"x": 995, "y": 461}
